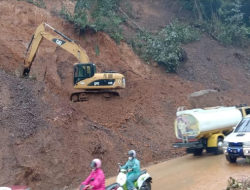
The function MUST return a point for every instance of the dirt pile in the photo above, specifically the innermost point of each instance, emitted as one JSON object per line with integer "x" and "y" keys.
{"x": 217, "y": 67}
{"x": 48, "y": 141}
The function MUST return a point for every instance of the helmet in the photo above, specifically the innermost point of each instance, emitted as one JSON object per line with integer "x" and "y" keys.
{"x": 96, "y": 163}
{"x": 132, "y": 153}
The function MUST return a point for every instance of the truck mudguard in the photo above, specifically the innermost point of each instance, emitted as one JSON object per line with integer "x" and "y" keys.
{"x": 213, "y": 139}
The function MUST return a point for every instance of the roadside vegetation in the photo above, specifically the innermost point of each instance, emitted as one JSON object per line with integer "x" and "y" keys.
{"x": 234, "y": 184}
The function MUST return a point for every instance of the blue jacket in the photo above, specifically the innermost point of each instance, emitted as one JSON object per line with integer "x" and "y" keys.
{"x": 133, "y": 164}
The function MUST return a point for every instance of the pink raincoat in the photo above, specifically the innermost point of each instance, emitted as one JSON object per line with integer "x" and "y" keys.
{"x": 99, "y": 180}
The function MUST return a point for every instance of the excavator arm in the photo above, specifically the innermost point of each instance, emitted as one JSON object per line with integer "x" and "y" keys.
{"x": 65, "y": 43}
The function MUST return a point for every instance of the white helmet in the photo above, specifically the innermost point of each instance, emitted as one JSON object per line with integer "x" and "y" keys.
{"x": 132, "y": 153}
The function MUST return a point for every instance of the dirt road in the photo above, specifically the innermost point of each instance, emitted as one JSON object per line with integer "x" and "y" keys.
{"x": 207, "y": 172}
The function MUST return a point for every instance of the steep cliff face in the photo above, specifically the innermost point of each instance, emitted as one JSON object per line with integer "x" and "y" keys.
{"x": 48, "y": 141}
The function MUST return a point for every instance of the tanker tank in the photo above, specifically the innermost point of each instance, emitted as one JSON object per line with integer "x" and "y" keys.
{"x": 197, "y": 123}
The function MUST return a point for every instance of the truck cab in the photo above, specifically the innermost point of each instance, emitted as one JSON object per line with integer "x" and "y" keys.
{"x": 244, "y": 109}
{"x": 237, "y": 143}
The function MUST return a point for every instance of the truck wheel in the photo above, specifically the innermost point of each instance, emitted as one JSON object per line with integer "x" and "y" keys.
{"x": 219, "y": 146}
{"x": 198, "y": 151}
{"x": 231, "y": 159}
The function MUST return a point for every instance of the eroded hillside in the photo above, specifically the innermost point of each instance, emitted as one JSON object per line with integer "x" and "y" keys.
{"x": 48, "y": 141}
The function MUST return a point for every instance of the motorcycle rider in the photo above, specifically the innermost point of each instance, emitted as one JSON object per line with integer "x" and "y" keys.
{"x": 96, "y": 179}
{"x": 133, "y": 167}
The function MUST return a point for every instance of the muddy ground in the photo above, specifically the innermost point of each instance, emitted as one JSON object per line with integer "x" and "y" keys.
{"x": 196, "y": 173}
{"x": 48, "y": 141}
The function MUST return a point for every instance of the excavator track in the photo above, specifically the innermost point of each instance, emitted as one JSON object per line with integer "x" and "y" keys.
{"x": 86, "y": 95}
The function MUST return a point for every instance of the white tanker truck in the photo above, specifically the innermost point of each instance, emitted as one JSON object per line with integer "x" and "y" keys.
{"x": 200, "y": 129}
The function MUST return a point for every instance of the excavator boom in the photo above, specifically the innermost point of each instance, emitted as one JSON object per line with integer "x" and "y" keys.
{"x": 65, "y": 43}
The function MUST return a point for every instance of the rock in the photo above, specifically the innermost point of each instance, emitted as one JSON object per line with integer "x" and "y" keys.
{"x": 18, "y": 142}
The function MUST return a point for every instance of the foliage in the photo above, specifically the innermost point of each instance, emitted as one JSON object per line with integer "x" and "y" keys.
{"x": 184, "y": 33}
{"x": 39, "y": 3}
{"x": 228, "y": 34}
{"x": 164, "y": 48}
{"x": 79, "y": 20}
{"x": 234, "y": 184}
{"x": 105, "y": 15}
{"x": 97, "y": 15}
{"x": 232, "y": 30}
{"x": 227, "y": 21}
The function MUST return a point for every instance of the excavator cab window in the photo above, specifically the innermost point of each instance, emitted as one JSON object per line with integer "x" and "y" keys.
{"x": 88, "y": 71}
{"x": 83, "y": 71}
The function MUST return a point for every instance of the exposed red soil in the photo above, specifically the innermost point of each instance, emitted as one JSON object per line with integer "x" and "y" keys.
{"x": 48, "y": 141}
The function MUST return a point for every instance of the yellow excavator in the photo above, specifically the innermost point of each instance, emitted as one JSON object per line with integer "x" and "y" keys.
{"x": 86, "y": 80}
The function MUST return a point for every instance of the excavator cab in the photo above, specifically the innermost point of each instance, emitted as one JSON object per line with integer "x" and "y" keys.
{"x": 83, "y": 71}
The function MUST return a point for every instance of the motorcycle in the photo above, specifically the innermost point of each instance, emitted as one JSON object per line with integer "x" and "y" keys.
{"x": 142, "y": 183}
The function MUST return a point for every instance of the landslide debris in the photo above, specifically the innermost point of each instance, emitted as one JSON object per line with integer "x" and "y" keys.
{"x": 47, "y": 142}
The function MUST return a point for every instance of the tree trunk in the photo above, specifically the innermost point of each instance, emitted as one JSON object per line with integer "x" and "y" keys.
{"x": 198, "y": 9}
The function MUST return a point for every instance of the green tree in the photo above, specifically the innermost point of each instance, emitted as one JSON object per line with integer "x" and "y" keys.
{"x": 225, "y": 20}
{"x": 106, "y": 15}
{"x": 97, "y": 15}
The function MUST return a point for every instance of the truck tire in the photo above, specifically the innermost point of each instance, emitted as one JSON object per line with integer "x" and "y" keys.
{"x": 231, "y": 159}
{"x": 198, "y": 152}
{"x": 219, "y": 146}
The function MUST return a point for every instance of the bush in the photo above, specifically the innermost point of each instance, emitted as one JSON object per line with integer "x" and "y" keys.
{"x": 39, "y": 3}
{"x": 234, "y": 184}
{"x": 165, "y": 47}
{"x": 97, "y": 15}
{"x": 225, "y": 20}
{"x": 78, "y": 19}
{"x": 228, "y": 34}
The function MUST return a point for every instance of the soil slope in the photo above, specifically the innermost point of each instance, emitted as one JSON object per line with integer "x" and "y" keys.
{"x": 48, "y": 141}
